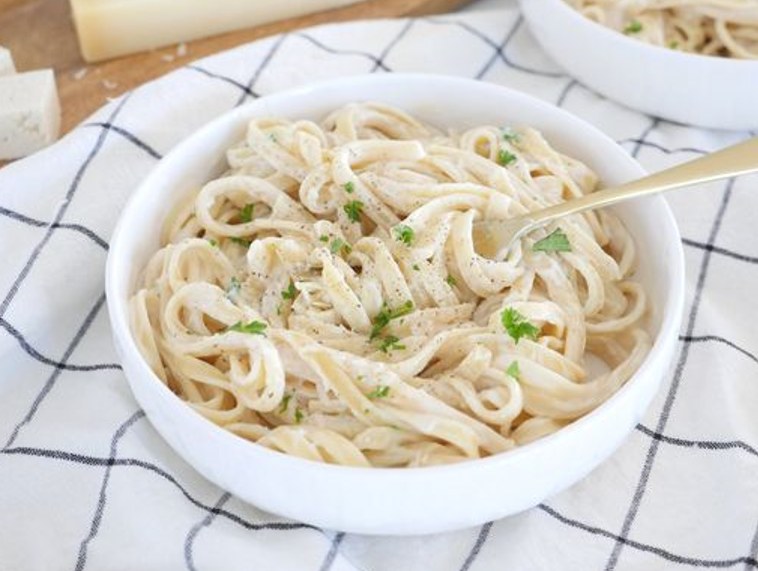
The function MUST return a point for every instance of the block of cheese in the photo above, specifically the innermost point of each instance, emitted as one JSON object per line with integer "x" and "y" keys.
{"x": 30, "y": 113}
{"x": 6, "y": 62}
{"x": 110, "y": 28}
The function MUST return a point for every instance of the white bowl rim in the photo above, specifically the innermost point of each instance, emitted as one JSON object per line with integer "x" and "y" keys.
{"x": 661, "y": 51}
{"x": 118, "y": 312}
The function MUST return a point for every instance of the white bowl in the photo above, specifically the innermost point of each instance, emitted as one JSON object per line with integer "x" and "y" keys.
{"x": 713, "y": 92}
{"x": 397, "y": 501}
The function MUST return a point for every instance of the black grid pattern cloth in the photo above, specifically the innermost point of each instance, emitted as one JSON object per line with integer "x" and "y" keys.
{"x": 86, "y": 483}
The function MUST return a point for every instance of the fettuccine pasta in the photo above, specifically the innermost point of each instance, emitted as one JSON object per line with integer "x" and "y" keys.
{"x": 324, "y": 297}
{"x": 726, "y": 28}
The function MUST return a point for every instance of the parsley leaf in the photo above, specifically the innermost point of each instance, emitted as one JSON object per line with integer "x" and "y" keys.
{"x": 404, "y": 234}
{"x": 324, "y": 238}
{"x": 290, "y": 292}
{"x": 451, "y": 280}
{"x": 244, "y": 242}
{"x": 349, "y": 187}
{"x": 556, "y": 241}
{"x": 633, "y": 27}
{"x": 517, "y": 326}
{"x": 379, "y": 392}
{"x": 404, "y": 309}
{"x": 246, "y": 214}
{"x": 234, "y": 287}
{"x": 505, "y": 157}
{"x": 391, "y": 343}
{"x": 381, "y": 320}
{"x": 384, "y": 317}
{"x": 285, "y": 403}
{"x": 298, "y": 415}
{"x": 415, "y": 267}
{"x": 339, "y": 244}
{"x": 510, "y": 135}
{"x": 213, "y": 242}
{"x": 353, "y": 210}
{"x": 254, "y": 328}
{"x": 513, "y": 370}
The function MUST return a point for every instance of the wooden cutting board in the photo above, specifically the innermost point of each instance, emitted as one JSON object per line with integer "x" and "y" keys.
{"x": 40, "y": 34}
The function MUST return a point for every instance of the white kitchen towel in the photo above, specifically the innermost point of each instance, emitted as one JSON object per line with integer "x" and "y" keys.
{"x": 86, "y": 483}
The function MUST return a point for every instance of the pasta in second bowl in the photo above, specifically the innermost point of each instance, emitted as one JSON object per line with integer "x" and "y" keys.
{"x": 321, "y": 296}
{"x": 723, "y": 28}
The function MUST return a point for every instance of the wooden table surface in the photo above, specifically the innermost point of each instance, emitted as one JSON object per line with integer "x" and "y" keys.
{"x": 40, "y": 34}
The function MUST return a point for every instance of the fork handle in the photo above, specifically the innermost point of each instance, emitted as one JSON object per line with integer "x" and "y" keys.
{"x": 738, "y": 159}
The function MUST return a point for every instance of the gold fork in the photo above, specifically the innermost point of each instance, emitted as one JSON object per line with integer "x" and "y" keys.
{"x": 493, "y": 238}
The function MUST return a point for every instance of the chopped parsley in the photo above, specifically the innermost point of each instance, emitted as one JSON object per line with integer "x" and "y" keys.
{"x": 234, "y": 287}
{"x": 298, "y": 415}
{"x": 254, "y": 328}
{"x": 451, "y": 281}
{"x": 353, "y": 210}
{"x": 633, "y": 27}
{"x": 380, "y": 392}
{"x": 404, "y": 234}
{"x": 349, "y": 187}
{"x": 556, "y": 241}
{"x": 517, "y": 326}
{"x": 244, "y": 242}
{"x": 285, "y": 403}
{"x": 290, "y": 292}
{"x": 510, "y": 135}
{"x": 246, "y": 214}
{"x": 513, "y": 370}
{"x": 390, "y": 343}
{"x": 415, "y": 267}
{"x": 213, "y": 242}
{"x": 338, "y": 244}
{"x": 673, "y": 44}
{"x": 386, "y": 315}
{"x": 505, "y": 157}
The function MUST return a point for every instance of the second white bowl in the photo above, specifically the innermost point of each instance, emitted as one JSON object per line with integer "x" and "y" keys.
{"x": 713, "y": 92}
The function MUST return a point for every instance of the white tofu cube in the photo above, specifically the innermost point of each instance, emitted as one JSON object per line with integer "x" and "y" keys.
{"x": 6, "y": 62}
{"x": 30, "y": 114}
